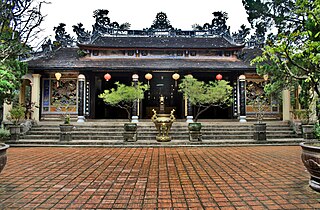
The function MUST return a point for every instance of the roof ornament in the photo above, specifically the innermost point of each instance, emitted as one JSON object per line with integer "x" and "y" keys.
{"x": 62, "y": 38}
{"x": 218, "y": 25}
{"x": 161, "y": 23}
{"x": 103, "y": 25}
{"x": 83, "y": 36}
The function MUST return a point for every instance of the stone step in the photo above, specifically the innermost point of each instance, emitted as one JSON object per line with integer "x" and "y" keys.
{"x": 111, "y": 133}
{"x": 154, "y": 143}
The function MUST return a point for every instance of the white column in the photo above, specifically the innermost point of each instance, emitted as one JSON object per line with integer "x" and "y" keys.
{"x": 313, "y": 108}
{"x": 6, "y": 108}
{"x": 35, "y": 96}
{"x": 81, "y": 96}
{"x": 286, "y": 105}
{"x": 242, "y": 99}
{"x": 135, "y": 116}
{"x": 22, "y": 95}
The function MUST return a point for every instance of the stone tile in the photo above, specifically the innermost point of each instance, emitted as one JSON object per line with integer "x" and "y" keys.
{"x": 256, "y": 177}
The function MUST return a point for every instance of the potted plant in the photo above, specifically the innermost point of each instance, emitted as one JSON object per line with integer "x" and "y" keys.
{"x": 29, "y": 107}
{"x": 260, "y": 128}
{"x": 203, "y": 96}
{"x": 307, "y": 100}
{"x": 66, "y": 127}
{"x": 3, "y": 155}
{"x": 257, "y": 97}
{"x": 125, "y": 97}
{"x": 15, "y": 115}
{"x": 311, "y": 159}
{"x": 4, "y": 134}
{"x": 307, "y": 127}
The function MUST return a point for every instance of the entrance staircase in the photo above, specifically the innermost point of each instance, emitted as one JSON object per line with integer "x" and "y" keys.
{"x": 110, "y": 134}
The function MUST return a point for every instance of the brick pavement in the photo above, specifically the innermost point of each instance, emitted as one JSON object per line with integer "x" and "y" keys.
{"x": 269, "y": 177}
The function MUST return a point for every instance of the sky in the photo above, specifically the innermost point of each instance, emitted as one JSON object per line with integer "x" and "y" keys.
{"x": 182, "y": 14}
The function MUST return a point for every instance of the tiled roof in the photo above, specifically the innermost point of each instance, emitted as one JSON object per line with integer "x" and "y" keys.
{"x": 161, "y": 43}
{"x": 67, "y": 59}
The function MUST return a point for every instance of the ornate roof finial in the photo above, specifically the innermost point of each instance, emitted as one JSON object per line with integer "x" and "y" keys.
{"x": 161, "y": 22}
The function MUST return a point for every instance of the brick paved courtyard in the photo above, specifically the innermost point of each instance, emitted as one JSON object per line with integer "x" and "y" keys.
{"x": 264, "y": 177}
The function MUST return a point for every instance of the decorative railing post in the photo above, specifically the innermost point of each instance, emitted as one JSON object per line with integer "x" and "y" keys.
{"x": 81, "y": 80}
{"x": 242, "y": 98}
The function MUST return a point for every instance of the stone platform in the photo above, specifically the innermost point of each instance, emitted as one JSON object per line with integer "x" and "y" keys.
{"x": 109, "y": 133}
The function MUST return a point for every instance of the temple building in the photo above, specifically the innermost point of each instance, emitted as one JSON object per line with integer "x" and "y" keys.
{"x": 75, "y": 74}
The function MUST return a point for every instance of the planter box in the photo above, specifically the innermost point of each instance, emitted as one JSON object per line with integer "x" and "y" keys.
{"x": 130, "y": 136}
{"x": 311, "y": 159}
{"x": 260, "y": 131}
{"x": 3, "y": 156}
{"x": 66, "y": 132}
{"x": 14, "y": 132}
{"x": 195, "y": 132}
{"x": 130, "y": 132}
{"x": 307, "y": 131}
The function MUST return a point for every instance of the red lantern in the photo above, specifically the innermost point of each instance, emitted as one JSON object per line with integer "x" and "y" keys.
{"x": 219, "y": 77}
{"x": 107, "y": 77}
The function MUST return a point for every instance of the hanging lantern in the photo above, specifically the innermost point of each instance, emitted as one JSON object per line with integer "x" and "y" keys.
{"x": 107, "y": 76}
{"x": 175, "y": 76}
{"x": 265, "y": 77}
{"x": 148, "y": 77}
{"x": 57, "y": 75}
{"x": 135, "y": 77}
{"x": 219, "y": 77}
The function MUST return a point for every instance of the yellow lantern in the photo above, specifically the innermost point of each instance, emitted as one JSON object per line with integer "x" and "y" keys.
{"x": 265, "y": 77}
{"x": 175, "y": 76}
{"x": 57, "y": 75}
{"x": 148, "y": 77}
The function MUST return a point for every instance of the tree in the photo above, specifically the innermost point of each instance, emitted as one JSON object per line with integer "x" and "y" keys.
{"x": 292, "y": 57}
{"x": 124, "y": 96}
{"x": 269, "y": 14}
{"x": 19, "y": 25}
{"x": 203, "y": 96}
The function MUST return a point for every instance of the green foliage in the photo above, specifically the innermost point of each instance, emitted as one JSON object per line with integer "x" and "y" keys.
{"x": 317, "y": 130}
{"x": 292, "y": 57}
{"x": 4, "y": 134}
{"x": 16, "y": 114}
{"x": 19, "y": 21}
{"x": 64, "y": 109}
{"x": 124, "y": 96}
{"x": 81, "y": 53}
{"x": 11, "y": 72}
{"x": 264, "y": 15}
{"x": 203, "y": 96}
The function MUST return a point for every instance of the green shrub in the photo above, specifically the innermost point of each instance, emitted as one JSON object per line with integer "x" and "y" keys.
{"x": 317, "y": 130}
{"x": 4, "y": 134}
{"x": 16, "y": 114}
